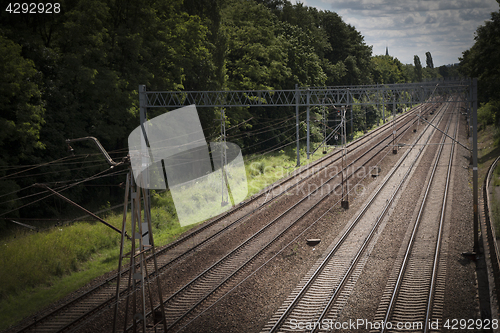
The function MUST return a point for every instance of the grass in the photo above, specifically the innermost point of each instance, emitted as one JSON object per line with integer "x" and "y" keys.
{"x": 264, "y": 170}
{"x": 41, "y": 268}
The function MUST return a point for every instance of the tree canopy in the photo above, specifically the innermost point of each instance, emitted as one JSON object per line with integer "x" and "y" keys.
{"x": 482, "y": 60}
{"x": 76, "y": 73}
{"x": 387, "y": 69}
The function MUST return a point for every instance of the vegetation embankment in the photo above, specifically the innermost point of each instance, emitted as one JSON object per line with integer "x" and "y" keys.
{"x": 488, "y": 151}
{"x": 39, "y": 268}
{"x": 76, "y": 73}
{"x": 482, "y": 61}
{"x": 488, "y": 119}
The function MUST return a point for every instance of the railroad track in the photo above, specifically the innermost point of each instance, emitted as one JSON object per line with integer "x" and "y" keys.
{"x": 415, "y": 293}
{"x": 324, "y": 290}
{"x": 186, "y": 302}
{"x": 83, "y": 307}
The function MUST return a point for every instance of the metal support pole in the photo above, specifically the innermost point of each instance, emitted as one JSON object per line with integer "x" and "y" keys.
{"x": 394, "y": 149}
{"x": 383, "y": 106}
{"x": 138, "y": 278}
{"x": 366, "y": 121}
{"x": 297, "y": 101}
{"x": 308, "y": 129}
{"x": 352, "y": 124}
{"x": 122, "y": 243}
{"x": 324, "y": 130}
{"x": 469, "y": 111}
{"x": 345, "y": 199}
{"x": 143, "y": 118}
{"x": 474, "y": 165}
{"x": 351, "y": 106}
{"x": 222, "y": 153}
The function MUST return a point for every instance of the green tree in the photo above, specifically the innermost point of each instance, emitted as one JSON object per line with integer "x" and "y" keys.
{"x": 386, "y": 69}
{"x": 21, "y": 119}
{"x": 428, "y": 60}
{"x": 409, "y": 72}
{"x": 20, "y": 102}
{"x": 256, "y": 57}
{"x": 349, "y": 58}
{"x": 482, "y": 60}
{"x": 93, "y": 56}
{"x": 448, "y": 71}
{"x": 302, "y": 60}
{"x": 418, "y": 69}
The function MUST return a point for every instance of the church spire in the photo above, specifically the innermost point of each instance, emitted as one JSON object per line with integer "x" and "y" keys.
{"x": 386, "y": 50}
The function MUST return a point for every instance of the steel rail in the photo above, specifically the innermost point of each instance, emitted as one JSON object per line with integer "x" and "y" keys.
{"x": 286, "y": 190}
{"x": 262, "y": 230}
{"x": 277, "y": 253}
{"x": 413, "y": 234}
{"x": 428, "y": 313}
{"x": 360, "y": 142}
{"x": 490, "y": 242}
{"x": 365, "y": 243}
{"x": 291, "y": 177}
{"x": 325, "y": 261}
{"x": 300, "y": 217}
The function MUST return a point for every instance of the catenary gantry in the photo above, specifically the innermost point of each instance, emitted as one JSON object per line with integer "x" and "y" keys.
{"x": 380, "y": 94}
{"x": 408, "y": 93}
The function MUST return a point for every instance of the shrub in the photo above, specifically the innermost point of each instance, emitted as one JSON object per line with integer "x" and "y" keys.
{"x": 489, "y": 114}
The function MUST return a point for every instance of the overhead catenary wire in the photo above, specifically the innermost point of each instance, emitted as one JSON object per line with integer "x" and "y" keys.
{"x": 33, "y": 167}
{"x": 62, "y": 161}
{"x": 247, "y": 134}
{"x": 59, "y": 171}
{"x": 271, "y": 138}
{"x": 102, "y": 163}
{"x": 116, "y": 173}
{"x": 74, "y": 160}
{"x": 274, "y": 148}
{"x": 57, "y": 190}
{"x": 260, "y": 130}
{"x": 61, "y": 182}
{"x": 81, "y": 159}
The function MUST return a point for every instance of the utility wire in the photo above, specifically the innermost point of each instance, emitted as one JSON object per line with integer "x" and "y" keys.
{"x": 34, "y": 167}
{"x": 58, "y": 190}
{"x": 274, "y": 137}
{"x": 116, "y": 173}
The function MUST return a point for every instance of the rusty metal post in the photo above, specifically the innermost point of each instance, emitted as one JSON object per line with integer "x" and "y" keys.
{"x": 297, "y": 101}
{"x": 475, "y": 187}
{"x": 345, "y": 196}
{"x": 394, "y": 149}
{"x": 122, "y": 244}
{"x": 308, "y": 129}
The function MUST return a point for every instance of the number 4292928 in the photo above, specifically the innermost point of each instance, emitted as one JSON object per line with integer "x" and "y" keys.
{"x": 33, "y": 8}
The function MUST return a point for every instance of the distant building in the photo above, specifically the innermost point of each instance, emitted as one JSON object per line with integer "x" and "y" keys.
{"x": 386, "y": 51}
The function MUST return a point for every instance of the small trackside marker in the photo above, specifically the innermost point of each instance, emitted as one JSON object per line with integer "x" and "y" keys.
{"x": 313, "y": 241}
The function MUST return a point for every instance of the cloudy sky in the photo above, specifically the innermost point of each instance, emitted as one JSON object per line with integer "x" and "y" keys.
{"x": 412, "y": 27}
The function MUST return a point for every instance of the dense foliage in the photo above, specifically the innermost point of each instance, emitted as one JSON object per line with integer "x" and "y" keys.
{"x": 76, "y": 73}
{"x": 482, "y": 60}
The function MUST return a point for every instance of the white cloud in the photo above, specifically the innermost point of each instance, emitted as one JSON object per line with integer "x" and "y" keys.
{"x": 413, "y": 27}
